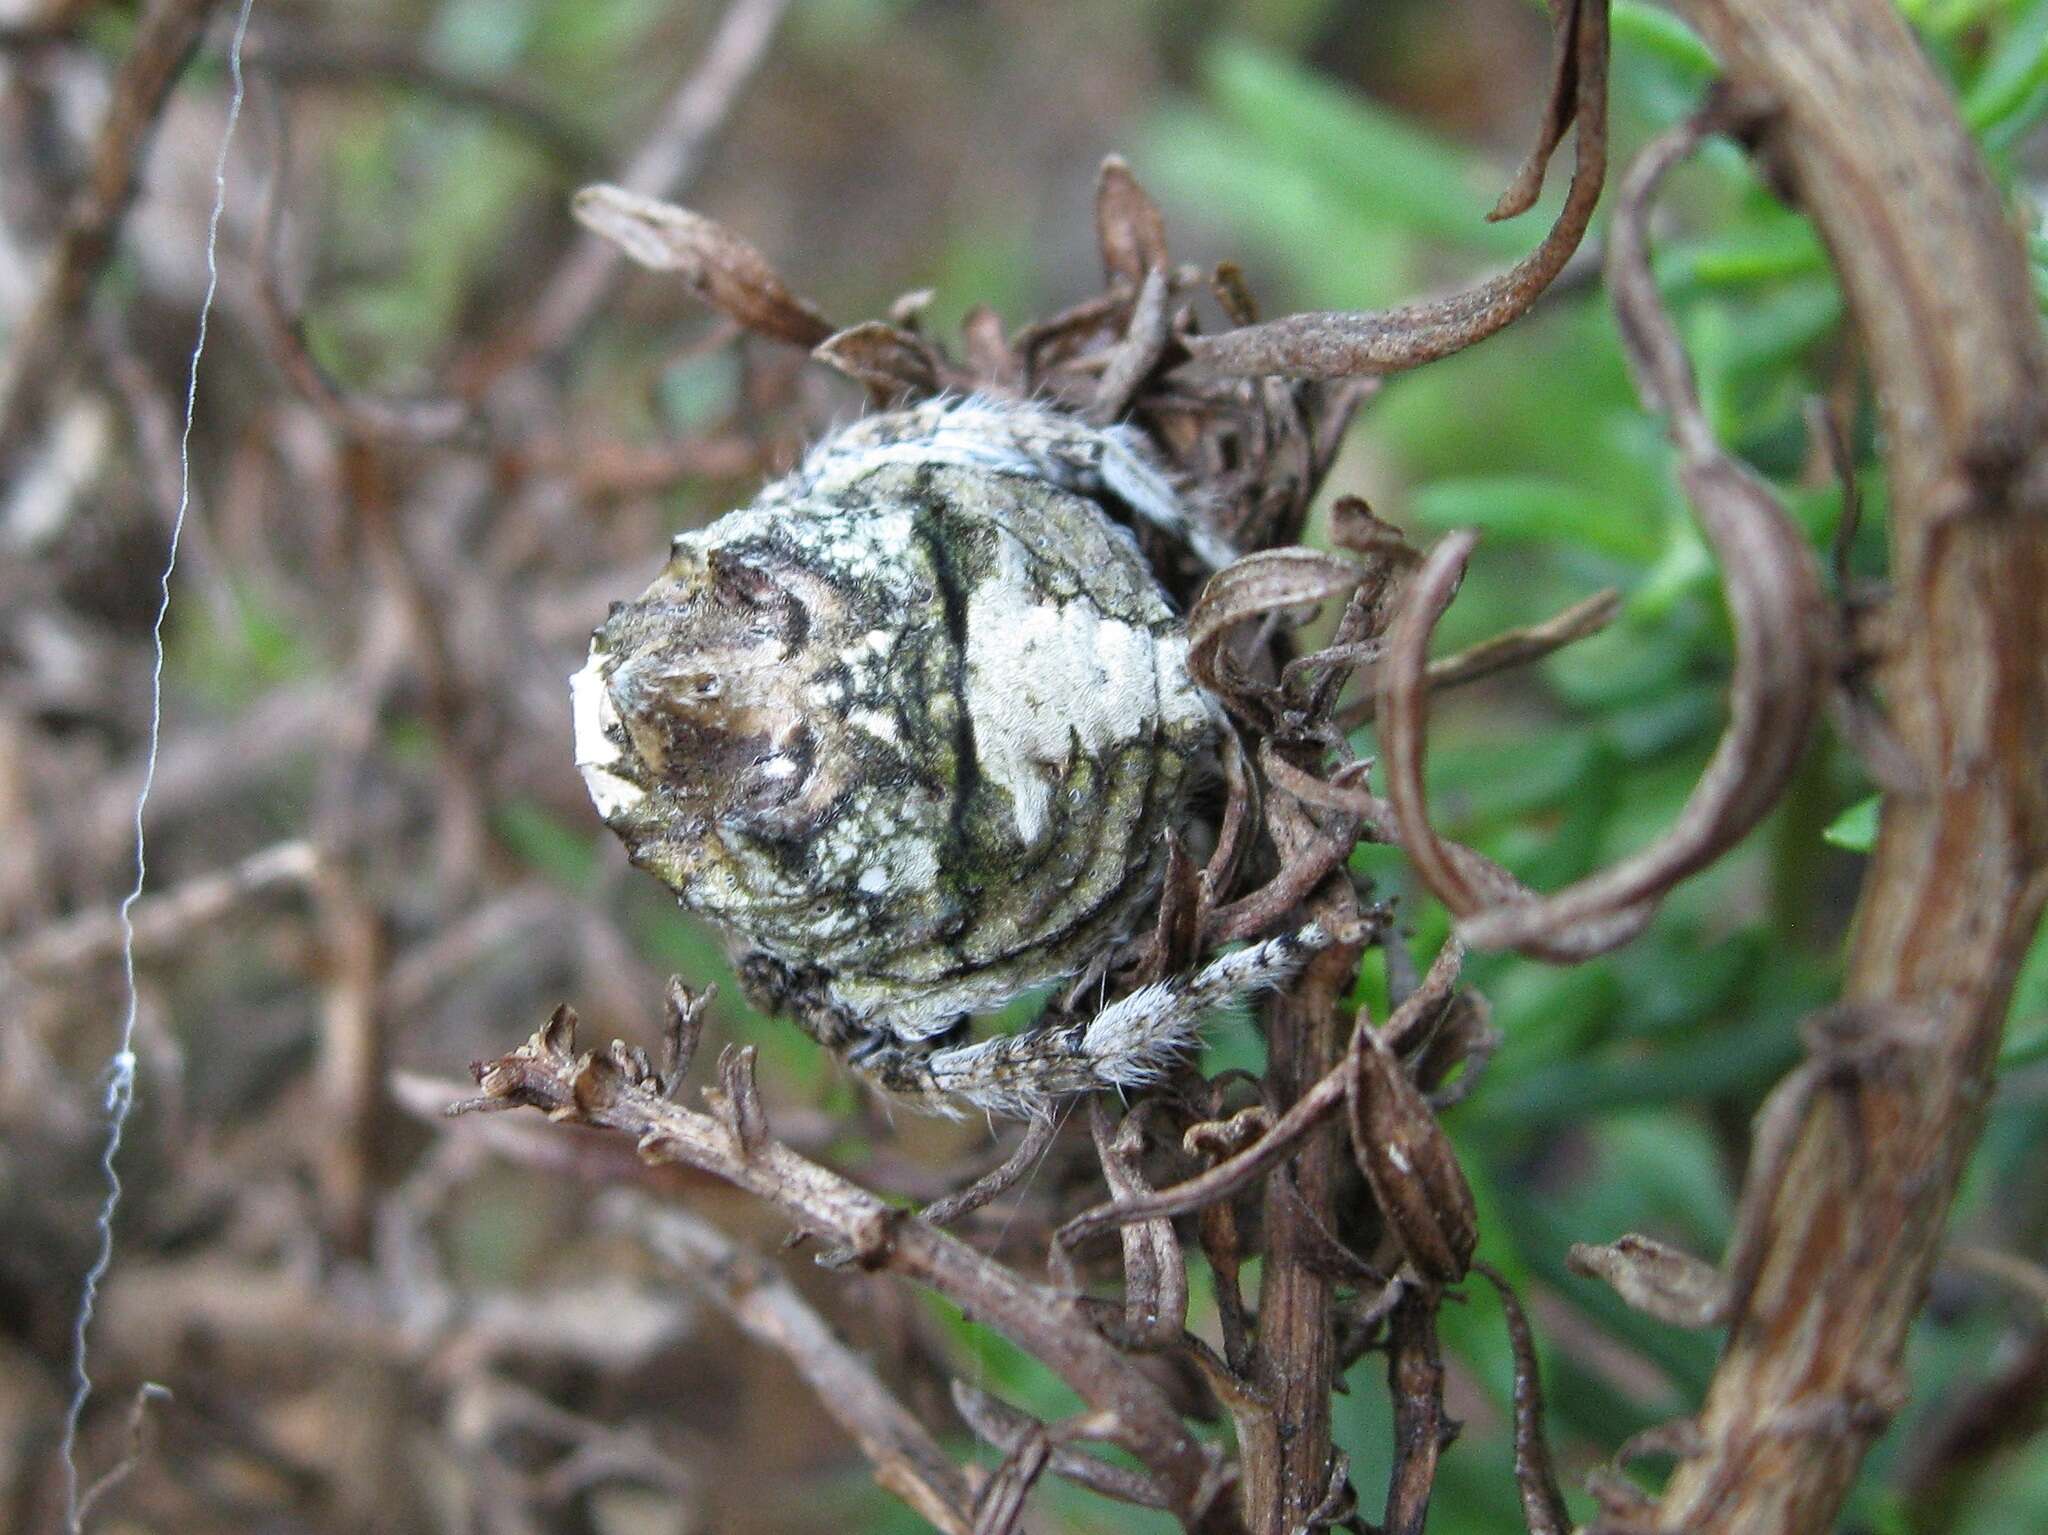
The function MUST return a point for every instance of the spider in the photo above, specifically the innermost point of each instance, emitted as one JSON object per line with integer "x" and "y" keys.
{"x": 914, "y": 726}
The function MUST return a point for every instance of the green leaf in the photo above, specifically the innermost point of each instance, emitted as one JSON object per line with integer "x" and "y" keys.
{"x": 1656, "y": 31}
{"x": 544, "y": 844}
{"x": 1331, "y": 246}
{"x": 1375, "y": 159}
{"x": 2029, "y": 1008}
{"x": 2012, "y": 76}
{"x": 1537, "y": 509}
{"x": 1856, "y": 827}
{"x": 1764, "y": 252}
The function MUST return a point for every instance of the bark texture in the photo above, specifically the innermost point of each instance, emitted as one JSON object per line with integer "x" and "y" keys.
{"x": 1868, "y": 141}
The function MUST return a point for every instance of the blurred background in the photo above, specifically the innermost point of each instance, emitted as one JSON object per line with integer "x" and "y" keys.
{"x": 436, "y": 434}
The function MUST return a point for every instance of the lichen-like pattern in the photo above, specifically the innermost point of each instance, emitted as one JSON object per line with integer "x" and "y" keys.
{"x": 913, "y": 726}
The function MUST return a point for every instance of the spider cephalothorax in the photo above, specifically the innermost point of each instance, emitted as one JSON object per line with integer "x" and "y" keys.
{"x": 914, "y": 726}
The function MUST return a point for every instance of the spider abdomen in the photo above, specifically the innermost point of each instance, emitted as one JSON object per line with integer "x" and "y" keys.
{"x": 916, "y": 721}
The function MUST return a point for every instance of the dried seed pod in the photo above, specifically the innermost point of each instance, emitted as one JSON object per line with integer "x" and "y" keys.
{"x": 914, "y": 725}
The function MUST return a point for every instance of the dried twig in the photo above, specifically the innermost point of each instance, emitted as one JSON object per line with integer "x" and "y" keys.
{"x": 358, "y": 58}
{"x": 1542, "y": 1500}
{"x": 352, "y": 412}
{"x": 1039, "y": 1133}
{"x": 149, "y": 1394}
{"x": 1415, "y": 1377}
{"x": 163, "y": 919}
{"x": 1342, "y": 345}
{"x": 906, "y": 1459}
{"x": 1516, "y": 647}
{"x": 1155, "y": 1273}
{"x": 1006, "y": 1428}
{"x": 35, "y": 366}
{"x": 667, "y": 159}
{"x": 609, "y": 1092}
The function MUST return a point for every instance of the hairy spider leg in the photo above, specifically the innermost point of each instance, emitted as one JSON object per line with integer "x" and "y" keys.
{"x": 1129, "y": 1044}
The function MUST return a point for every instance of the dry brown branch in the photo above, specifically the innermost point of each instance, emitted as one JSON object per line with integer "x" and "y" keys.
{"x": 1294, "y": 1346}
{"x": 1006, "y": 1428}
{"x": 359, "y": 59}
{"x": 1503, "y": 652}
{"x": 667, "y": 159}
{"x": 619, "y": 1094}
{"x": 35, "y": 367}
{"x": 354, "y": 1029}
{"x": 1237, "y": 1172}
{"x": 767, "y": 1307}
{"x": 149, "y": 1394}
{"x": 1542, "y": 1502}
{"x": 1422, "y": 1429}
{"x": 1870, "y": 143}
{"x": 482, "y": 549}
{"x": 163, "y": 919}
{"x": 353, "y": 413}
{"x": 1155, "y": 1272}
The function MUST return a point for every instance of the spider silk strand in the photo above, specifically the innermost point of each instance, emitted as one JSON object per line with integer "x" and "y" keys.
{"x": 118, "y": 1100}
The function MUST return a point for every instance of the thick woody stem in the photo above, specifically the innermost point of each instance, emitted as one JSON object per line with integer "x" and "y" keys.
{"x": 1936, "y": 280}
{"x": 1294, "y": 1357}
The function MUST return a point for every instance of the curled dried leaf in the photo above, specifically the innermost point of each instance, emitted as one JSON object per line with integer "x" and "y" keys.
{"x": 1155, "y": 1273}
{"x": 1558, "y": 108}
{"x": 1128, "y": 225}
{"x": 683, "y": 1033}
{"x": 595, "y": 1086}
{"x": 1782, "y": 659}
{"x": 1132, "y": 360}
{"x": 744, "y": 1116}
{"x": 1274, "y": 581}
{"x": 556, "y": 1037}
{"x": 1342, "y": 345}
{"x": 1215, "y": 1139}
{"x": 1466, "y": 882}
{"x": 1408, "y": 1160}
{"x": 893, "y": 363}
{"x": 1234, "y": 294}
{"x": 1657, "y": 1279}
{"x": 989, "y": 356}
{"x": 1515, "y": 647}
{"x": 724, "y": 270}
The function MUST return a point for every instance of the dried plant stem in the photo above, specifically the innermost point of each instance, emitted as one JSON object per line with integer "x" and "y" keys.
{"x": 733, "y": 1144}
{"x": 768, "y": 1309}
{"x": 35, "y": 362}
{"x": 161, "y": 920}
{"x": 1937, "y": 283}
{"x": 664, "y": 163}
{"x": 1343, "y": 345}
{"x": 1294, "y": 1352}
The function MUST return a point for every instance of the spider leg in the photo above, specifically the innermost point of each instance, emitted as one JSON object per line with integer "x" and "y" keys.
{"x": 1129, "y": 1044}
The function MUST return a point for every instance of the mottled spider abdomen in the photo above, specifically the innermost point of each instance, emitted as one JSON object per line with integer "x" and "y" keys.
{"x": 915, "y": 722}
